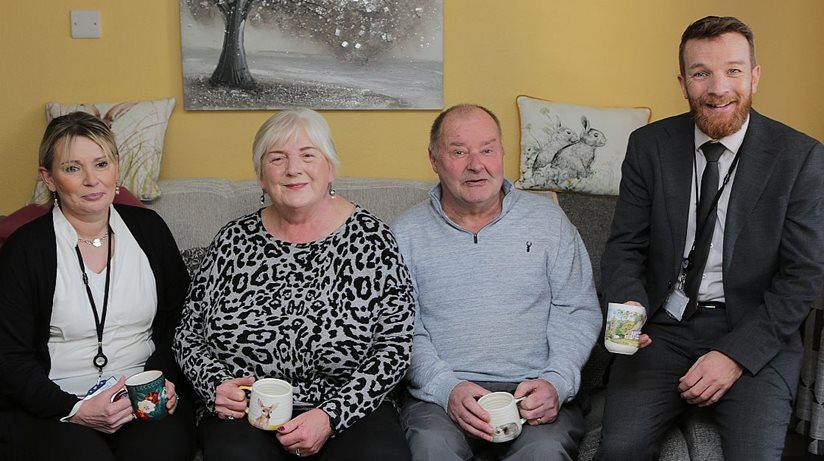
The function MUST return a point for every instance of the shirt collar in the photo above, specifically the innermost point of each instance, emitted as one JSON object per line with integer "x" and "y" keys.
{"x": 732, "y": 142}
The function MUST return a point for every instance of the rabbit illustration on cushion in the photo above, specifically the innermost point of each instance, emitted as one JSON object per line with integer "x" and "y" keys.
{"x": 538, "y": 155}
{"x": 574, "y": 161}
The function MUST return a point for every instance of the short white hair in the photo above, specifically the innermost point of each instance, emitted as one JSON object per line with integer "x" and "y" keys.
{"x": 285, "y": 125}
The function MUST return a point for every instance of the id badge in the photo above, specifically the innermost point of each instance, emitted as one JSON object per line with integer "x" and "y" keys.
{"x": 101, "y": 386}
{"x": 676, "y": 303}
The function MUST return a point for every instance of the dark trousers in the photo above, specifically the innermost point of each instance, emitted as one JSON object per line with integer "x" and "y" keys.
{"x": 643, "y": 400}
{"x": 169, "y": 439}
{"x": 375, "y": 437}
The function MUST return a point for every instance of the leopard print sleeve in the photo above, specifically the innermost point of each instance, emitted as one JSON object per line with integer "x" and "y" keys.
{"x": 381, "y": 284}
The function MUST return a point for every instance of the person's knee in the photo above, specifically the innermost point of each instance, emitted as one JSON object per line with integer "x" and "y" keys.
{"x": 545, "y": 449}
{"x": 426, "y": 444}
{"x": 624, "y": 446}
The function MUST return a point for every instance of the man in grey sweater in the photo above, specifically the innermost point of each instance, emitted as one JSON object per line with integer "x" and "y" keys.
{"x": 506, "y": 302}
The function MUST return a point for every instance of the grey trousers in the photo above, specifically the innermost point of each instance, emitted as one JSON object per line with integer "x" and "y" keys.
{"x": 643, "y": 401}
{"x": 433, "y": 436}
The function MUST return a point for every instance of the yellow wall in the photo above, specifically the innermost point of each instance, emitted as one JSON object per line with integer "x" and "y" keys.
{"x": 600, "y": 52}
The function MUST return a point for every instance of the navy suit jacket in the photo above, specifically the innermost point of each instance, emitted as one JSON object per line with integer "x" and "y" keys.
{"x": 773, "y": 258}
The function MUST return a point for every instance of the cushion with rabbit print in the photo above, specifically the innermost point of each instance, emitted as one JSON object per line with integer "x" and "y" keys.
{"x": 571, "y": 147}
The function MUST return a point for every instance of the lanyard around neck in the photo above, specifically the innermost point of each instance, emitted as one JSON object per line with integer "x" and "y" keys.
{"x": 100, "y": 360}
{"x": 700, "y": 231}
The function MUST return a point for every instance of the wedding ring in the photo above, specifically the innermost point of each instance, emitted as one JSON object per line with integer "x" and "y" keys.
{"x": 297, "y": 453}
{"x": 230, "y": 418}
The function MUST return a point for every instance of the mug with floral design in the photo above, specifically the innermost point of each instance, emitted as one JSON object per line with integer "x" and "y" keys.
{"x": 147, "y": 392}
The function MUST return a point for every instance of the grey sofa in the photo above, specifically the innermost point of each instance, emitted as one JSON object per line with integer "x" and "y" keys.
{"x": 196, "y": 208}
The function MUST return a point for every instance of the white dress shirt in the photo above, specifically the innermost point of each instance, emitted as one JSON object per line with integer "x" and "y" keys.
{"x": 712, "y": 282}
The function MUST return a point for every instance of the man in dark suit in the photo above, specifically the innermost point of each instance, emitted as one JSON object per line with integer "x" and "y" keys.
{"x": 719, "y": 233}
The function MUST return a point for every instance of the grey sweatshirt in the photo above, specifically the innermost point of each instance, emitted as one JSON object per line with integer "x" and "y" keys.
{"x": 512, "y": 302}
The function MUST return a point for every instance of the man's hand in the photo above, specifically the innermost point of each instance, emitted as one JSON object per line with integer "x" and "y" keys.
{"x": 709, "y": 378}
{"x": 463, "y": 408}
{"x": 644, "y": 340}
{"x": 541, "y": 404}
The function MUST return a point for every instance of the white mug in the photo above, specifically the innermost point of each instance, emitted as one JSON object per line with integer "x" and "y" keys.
{"x": 623, "y": 328}
{"x": 270, "y": 403}
{"x": 503, "y": 415}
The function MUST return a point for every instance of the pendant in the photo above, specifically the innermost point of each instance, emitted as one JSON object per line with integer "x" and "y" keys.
{"x": 97, "y": 243}
{"x": 100, "y": 360}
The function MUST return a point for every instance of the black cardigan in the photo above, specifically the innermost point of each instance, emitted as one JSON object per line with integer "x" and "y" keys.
{"x": 28, "y": 271}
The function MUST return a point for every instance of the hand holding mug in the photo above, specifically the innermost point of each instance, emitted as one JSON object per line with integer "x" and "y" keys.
{"x": 503, "y": 415}
{"x": 464, "y": 409}
{"x": 622, "y": 332}
{"x": 230, "y": 400}
{"x": 541, "y": 402}
{"x": 102, "y": 414}
{"x": 645, "y": 339}
{"x": 173, "y": 398}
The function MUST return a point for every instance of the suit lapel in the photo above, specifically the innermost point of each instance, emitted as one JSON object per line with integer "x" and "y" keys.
{"x": 753, "y": 171}
{"x": 677, "y": 154}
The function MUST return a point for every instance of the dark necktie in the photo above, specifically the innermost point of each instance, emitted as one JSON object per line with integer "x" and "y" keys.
{"x": 706, "y": 218}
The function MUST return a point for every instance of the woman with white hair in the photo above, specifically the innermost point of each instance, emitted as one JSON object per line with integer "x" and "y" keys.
{"x": 312, "y": 290}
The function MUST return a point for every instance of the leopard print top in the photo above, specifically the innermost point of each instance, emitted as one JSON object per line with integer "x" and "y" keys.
{"x": 333, "y": 317}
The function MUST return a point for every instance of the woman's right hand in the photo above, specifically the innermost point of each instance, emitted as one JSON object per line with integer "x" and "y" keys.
{"x": 230, "y": 400}
{"x": 101, "y": 414}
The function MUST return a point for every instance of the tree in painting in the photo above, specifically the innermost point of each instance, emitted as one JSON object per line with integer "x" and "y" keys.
{"x": 354, "y": 30}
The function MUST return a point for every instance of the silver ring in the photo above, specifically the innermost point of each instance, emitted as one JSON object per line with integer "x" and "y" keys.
{"x": 297, "y": 453}
{"x": 230, "y": 418}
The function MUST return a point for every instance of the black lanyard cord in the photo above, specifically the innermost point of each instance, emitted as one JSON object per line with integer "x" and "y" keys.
{"x": 100, "y": 360}
{"x": 699, "y": 232}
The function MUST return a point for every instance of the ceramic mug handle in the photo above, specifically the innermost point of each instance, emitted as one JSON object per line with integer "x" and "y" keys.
{"x": 517, "y": 401}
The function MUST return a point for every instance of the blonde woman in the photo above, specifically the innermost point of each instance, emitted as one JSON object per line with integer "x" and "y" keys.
{"x": 89, "y": 291}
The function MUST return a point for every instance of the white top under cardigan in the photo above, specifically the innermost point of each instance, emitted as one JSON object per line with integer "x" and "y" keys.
{"x": 127, "y": 334}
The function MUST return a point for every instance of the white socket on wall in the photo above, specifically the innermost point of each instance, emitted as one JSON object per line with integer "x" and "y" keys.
{"x": 85, "y": 24}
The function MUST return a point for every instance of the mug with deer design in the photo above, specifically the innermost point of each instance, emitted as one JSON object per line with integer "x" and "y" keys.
{"x": 270, "y": 403}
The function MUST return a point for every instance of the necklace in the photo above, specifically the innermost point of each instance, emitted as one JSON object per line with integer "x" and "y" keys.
{"x": 96, "y": 242}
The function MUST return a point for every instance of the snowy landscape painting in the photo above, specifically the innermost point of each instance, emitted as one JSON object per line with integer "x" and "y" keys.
{"x": 322, "y": 54}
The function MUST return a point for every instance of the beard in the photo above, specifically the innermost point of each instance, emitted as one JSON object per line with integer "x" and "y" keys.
{"x": 715, "y": 126}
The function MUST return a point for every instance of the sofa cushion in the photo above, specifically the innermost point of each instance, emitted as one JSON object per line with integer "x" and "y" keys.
{"x": 570, "y": 147}
{"x": 195, "y": 209}
{"x": 673, "y": 448}
{"x": 592, "y": 215}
